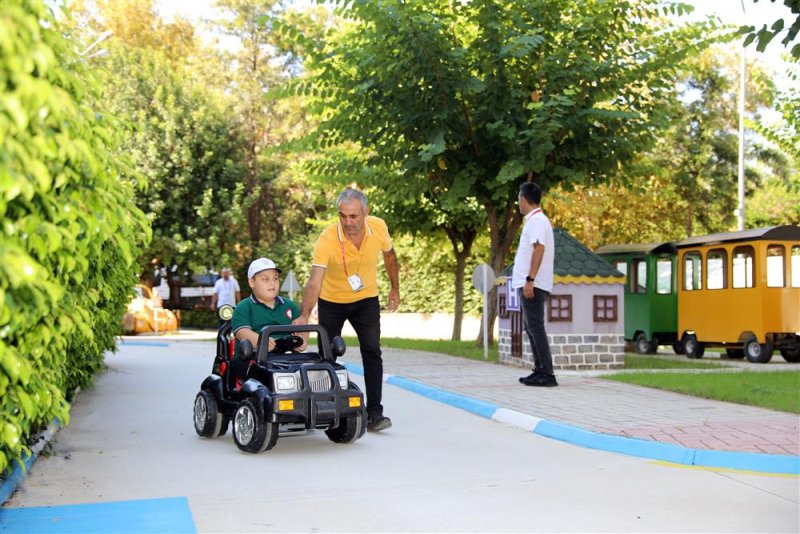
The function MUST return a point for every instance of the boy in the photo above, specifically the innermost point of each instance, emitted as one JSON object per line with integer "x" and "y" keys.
{"x": 262, "y": 308}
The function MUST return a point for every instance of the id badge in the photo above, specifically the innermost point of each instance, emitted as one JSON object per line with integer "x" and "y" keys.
{"x": 355, "y": 282}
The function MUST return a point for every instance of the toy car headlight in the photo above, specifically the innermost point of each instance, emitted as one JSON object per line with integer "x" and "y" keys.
{"x": 286, "y": 382}
{"x": 225, "y": 312}
{"x": 344, "y": 379}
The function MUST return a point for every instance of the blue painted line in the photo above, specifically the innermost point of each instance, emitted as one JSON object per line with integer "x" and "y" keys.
{"x": 11, "y": 482}
{"x": 747, "y": 461}
{"x": 145, "y": 344}
{"x": 459, "y": 401}
{"x": 122, "y": 517}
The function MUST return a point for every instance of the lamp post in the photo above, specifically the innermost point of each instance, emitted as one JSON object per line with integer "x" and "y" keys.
{"x": 742, "y": 72}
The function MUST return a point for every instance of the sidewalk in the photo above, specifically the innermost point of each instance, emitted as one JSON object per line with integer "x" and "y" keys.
{"x": 589, "y": 411}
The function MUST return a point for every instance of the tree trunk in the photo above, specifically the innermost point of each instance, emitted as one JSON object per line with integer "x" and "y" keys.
{"x": 464, "y": 238}
{"x": 503, "y": 228}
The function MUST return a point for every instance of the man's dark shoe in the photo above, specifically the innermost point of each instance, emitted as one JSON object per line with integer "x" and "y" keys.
{"x": 546, "y": 381}
{"x": 530, "y": 377}
{"x": 378, "y": 423}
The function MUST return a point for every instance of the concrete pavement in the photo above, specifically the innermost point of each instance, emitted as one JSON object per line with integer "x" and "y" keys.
{"x": 604, "y": 414}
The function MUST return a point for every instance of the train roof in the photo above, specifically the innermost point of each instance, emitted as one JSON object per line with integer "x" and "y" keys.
{"x": 787, "y": 232}
{"x": 638, "y": 248}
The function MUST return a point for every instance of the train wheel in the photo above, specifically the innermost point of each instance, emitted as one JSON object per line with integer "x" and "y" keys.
{"x": 734, "y": 354}
{"x": 678, "y": 347}
{"x": 692, "y": 347}
{"x": 642, "y": 345}
{"x": 756, "y": 352}
{"x": 791, "y": 355}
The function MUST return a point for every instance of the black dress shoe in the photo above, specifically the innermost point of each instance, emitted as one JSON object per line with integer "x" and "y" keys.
{"x": 546, "y": 381}
{"x": 378, "y": 423}
{"x": 530, "y": 377}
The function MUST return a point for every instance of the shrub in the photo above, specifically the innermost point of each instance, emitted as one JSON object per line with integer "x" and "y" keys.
{"x": 69, "y": 226}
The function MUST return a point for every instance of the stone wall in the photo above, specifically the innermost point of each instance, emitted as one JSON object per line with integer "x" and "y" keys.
{"x": 570, "y": 351}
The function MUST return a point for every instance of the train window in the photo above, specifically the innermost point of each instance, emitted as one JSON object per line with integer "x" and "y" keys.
{"x": 559, "y": 308}
{"x": 663, "y": 276}
{"x": 796, "y": 266}
{"x": 692, "y": 271}
{"x": 716, "y": 271}
{"x": 776, "y": 266}
{"x": 621, "y": 266}
{"x": 605, "y": 308}
{"x": 639, "y": 279}
{"x": 743, "y": 267}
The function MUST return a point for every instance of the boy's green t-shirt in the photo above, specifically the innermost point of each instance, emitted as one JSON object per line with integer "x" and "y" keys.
{"x": 256, "y": 315}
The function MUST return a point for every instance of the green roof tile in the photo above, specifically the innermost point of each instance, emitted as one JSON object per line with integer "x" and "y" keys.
{"x": 574, "y": 259}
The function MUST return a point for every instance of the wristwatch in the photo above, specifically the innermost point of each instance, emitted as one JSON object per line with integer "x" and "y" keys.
{"x": 528, "y": 279}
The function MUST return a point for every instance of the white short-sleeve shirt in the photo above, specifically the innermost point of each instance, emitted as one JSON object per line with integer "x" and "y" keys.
{"x": 226, "y": 291}
{"x": 537, "y": 229}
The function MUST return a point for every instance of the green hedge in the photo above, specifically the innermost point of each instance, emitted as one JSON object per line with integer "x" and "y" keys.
{"x": 70, "y": 230}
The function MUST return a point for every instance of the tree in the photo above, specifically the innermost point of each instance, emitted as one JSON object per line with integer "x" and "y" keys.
{"x": 462, "y": 101}
{"x": 763, "y": 36}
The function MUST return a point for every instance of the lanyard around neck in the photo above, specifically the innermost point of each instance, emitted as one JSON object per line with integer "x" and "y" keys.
{"x": 532, "y": 213}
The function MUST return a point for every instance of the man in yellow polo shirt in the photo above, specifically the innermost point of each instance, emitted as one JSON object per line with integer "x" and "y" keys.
{"x": 344, "y": 282}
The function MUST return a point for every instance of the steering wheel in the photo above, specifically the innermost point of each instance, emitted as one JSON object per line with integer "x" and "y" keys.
{"x": 287, "y": 344}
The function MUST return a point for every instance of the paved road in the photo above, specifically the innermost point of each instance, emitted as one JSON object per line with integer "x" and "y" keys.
{"x": 131, "y": 462}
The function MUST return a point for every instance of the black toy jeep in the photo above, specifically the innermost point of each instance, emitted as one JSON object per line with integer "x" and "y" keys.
{"x": 284, "y": 391}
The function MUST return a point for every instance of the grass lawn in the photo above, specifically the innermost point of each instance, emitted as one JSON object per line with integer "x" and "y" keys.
{"x": 464, "y": 349}
{"x": 634, "y": 361}
{"x": 776, "y": 390}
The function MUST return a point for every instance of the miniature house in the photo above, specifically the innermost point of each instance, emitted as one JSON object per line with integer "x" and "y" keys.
{"x": 584, "y": 314}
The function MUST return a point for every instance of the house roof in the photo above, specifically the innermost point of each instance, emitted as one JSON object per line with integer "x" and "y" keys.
{"x": 576, "y": 263}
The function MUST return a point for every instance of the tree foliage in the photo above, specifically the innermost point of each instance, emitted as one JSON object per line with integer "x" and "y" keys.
{"x": 764, "y": 35}
{"x": 452, "y": 105}
{"x": 70, "y": 232}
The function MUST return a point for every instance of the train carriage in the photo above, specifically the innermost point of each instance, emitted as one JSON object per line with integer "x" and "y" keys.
{"x": 741, "y": 291}
{"x": 651, "y": 297}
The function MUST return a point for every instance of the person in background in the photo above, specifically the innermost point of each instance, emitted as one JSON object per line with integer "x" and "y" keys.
{"x": 344, "y": 285}
{"x": 226, "y": 290}
{"x": 532, "y": 277}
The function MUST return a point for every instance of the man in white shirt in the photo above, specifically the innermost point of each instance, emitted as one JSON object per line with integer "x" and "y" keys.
{"x": 532, "y": 277}
{"x": 226, "y": 290}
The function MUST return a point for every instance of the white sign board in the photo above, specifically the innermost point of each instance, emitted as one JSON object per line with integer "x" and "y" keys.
{"x": 483, "y": 278}
{"x": 290, "y": 285}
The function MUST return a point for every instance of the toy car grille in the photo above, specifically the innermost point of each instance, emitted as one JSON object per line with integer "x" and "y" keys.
{"x": 319, "y": 380}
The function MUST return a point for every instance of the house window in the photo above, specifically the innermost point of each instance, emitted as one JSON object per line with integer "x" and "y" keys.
{"x": 716, "y": 272}
{"x": 605, "y": 308}
{"x": 775, "y": 266}
{"x": 743, "y": 267}
{"x": 559, "y": 308}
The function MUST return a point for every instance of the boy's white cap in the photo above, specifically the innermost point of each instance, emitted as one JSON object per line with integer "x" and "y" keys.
{"x": 261, "y": 264}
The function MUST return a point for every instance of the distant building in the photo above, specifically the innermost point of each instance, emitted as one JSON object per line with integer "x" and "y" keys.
{"x": 584, "y": 315}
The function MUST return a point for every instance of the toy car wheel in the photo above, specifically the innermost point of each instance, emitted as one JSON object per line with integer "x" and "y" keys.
{"x": 208, "y": 422}
{"x": 756, "y": 352}
{"x": 250, "y": 432}
{"x": 350, "y": 428}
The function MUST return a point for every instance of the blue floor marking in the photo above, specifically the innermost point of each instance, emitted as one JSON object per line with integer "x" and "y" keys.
{"x": 170, "y": 515}
{"x": 654, "y": 450}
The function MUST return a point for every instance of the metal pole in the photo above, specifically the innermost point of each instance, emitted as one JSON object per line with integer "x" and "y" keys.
{"x": 740, "y": 209}
{"x": 486, "y": 314}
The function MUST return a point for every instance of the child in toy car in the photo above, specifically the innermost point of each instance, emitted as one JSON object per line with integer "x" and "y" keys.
{"x": 263, "y": 308}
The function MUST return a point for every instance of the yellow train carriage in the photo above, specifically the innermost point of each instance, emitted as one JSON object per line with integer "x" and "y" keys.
{"x": 741, "y": 291}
